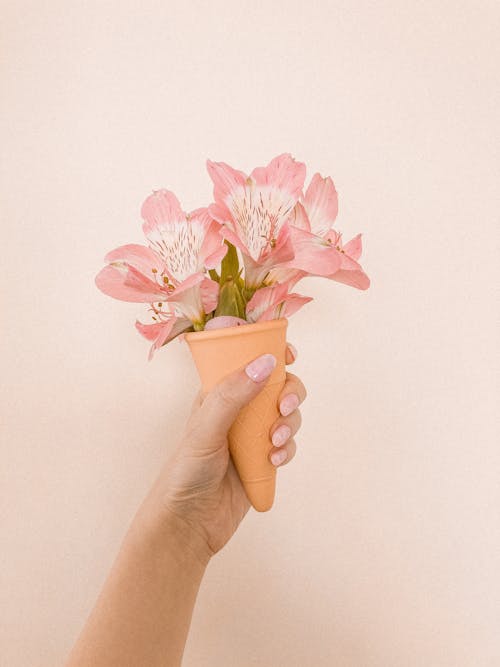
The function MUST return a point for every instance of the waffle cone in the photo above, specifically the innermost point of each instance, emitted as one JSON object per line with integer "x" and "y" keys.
{"x": 218, "y": 352}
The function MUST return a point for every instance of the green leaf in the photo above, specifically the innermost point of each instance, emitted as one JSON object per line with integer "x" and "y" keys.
{"x": 230, "y": 265}
{"x": 214, "y": 275}
{"x": 230, "y": 300}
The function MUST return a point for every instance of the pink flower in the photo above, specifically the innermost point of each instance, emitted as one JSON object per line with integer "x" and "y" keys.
{"x": 282, "y": 234}
{"x": 171, "y": 269}
{"x": 255, "y": 209}
{"x": 311, "y": 224}
{"x": 169, "y": 325}
{"x": 350, "y": 272}
{"x": 273, "y": 302}
{"x": 262, "y": 216}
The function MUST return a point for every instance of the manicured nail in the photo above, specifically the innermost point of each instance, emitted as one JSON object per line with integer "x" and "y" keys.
{"x": 261, "y": 368}
{"x": 289, "y": 404}
{"x": 278, "y": 457}
{"x": 293, "y": 350}
{"x": 281, "y": 435}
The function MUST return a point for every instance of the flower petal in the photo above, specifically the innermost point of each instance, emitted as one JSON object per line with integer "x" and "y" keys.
{"x": 299, "y": 217}
{"x": 220, "y": 212}
{"x": 159, "y": 208}
{"x": 209, "y": 290}
{"x": 264, "y": 299}
{"x": 282, "y": 173}
{"x": 213, "y": 249}
{"x": 187, "y": 298}
{"x": 284, "y": 275}
{"x": 353, "y": 247}
{"x": 139, "y": 256}
{"x": 292, "y": 303}
{"x": 183, "y": 286}
{"x": 162, "y": 332}
{"x": 233, "y": 238}
{"x": 126, "y": 283}
{"x": 313, "y": 254}
{"x": 273, "y": 302}
{"x": 177, "y": 237}
{"x": 257, "y": 271}
{"x": 226, "y": 179}
{"x": 321, "y": 204}
{"x": 357, "y": 278}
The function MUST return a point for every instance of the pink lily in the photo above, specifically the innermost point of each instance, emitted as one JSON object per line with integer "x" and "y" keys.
{"x": 273, "y": 302}
{"x": 254, "y": 211}
{"x": 313, "y": 218}
{"x": 258, "y": 217}
{"x": 171, "y": 269}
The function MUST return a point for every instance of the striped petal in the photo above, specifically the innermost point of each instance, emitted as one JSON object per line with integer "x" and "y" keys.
{"x": 176, "y": 236}
{"x": 124, "y": 282}
{"x": 257, "y": 207}
{"x": 141, "y": 257}
{"x": 321, "y": 204}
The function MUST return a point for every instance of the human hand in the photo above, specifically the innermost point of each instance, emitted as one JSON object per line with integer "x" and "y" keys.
{"x": 199, "y": 487}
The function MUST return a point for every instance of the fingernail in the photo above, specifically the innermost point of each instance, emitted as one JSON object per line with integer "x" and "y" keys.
{"x": 281, "y": 435}
{"x": 278, "y": 457}
{"x": 289, "y": 404}
{"x": 261, "y": 368}
{"x": 293, "y": 350}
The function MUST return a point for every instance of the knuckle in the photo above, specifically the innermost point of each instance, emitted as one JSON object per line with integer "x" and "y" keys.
{"x": 226, "y": 398}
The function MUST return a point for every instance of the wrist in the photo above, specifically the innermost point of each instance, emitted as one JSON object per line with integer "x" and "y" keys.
{"x": 172, "y": 532}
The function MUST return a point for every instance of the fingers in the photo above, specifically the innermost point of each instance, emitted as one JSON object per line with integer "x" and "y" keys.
{"x": 292, "y": 395}
{"x": 281, "y": 455}
{"x": 283, "y": 431}
{"x": 285, "y": 427}
{"x": 222, "y": 404}
{"x": 291, "y": 353}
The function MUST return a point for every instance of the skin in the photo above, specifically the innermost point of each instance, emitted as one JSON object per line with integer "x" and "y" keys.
{"x": 195, "y": 505}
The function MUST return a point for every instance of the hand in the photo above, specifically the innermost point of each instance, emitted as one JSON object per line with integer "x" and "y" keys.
{"x": 199, "y": 486}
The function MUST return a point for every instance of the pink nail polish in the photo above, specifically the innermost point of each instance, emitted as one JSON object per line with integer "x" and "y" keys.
{"x": 293, "y": 350}
{"x": 261, "y": 368}
{"x": 281, "y": 435}
{"x": 278, "y": 457}
{"x": 289, "y": 404}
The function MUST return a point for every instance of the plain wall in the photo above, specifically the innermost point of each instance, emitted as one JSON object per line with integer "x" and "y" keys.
{"x": 383, "y": 548}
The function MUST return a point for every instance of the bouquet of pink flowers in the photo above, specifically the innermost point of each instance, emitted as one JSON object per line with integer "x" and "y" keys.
{"x": 237, "y": 260}
{"x": 206, "y": 273}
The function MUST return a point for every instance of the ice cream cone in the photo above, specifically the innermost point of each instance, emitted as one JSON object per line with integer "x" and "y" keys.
{"x": 220, "y": 351}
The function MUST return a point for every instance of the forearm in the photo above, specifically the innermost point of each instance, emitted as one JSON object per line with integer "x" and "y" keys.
{"x": 144, "y": 611}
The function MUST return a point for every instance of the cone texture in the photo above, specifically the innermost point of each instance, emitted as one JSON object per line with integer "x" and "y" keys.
{"x": 221, "y": 351}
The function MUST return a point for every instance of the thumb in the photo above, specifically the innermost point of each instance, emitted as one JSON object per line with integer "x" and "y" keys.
{"x": 223, "y": 403}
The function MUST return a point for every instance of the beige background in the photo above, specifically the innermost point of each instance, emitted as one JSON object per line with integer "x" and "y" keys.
{"x": 383, "y": 548}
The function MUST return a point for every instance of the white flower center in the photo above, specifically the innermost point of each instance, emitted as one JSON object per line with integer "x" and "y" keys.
{"x": 179, "y": 244}
{"x": 259, "y": 213}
